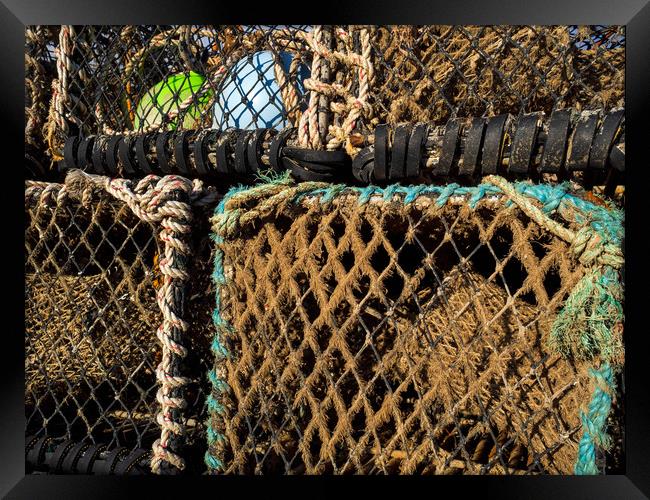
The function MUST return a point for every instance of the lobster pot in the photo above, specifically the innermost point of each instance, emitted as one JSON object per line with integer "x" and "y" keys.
{"x": 91, "y": 349}
{"x": 397, "y": 330}
{"x": 328, "y": 81}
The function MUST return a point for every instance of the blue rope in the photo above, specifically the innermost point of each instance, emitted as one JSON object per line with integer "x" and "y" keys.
{"x": 594, "y": 422}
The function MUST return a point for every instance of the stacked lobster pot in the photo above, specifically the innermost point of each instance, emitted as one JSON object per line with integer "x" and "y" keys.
{"x": 324, "y": 249}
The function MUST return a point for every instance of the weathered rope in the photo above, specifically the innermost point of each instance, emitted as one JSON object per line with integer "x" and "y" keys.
{"x": 166, "y": 201}
{"x": 596, "y": 245}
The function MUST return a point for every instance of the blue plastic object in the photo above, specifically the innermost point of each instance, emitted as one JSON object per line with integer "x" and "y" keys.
{"x": 250, "y": 95}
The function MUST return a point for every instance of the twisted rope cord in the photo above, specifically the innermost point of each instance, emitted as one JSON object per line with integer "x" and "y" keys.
{"x": 167, "y": 201}
{"x": 57, "y": 126}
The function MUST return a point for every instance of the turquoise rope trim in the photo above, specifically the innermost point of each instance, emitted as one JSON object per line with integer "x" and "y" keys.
{"x": 594, "y": 422}
{"x": 219, "y": 386}
{"x": 606, "y": 222}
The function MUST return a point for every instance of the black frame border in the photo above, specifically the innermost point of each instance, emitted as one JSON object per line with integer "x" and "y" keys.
{"x": 635, "y": 14}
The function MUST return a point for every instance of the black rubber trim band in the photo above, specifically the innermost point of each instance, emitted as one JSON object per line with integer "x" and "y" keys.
{"x": 72, "y": 457}
{"x": 278, "y": 142}
{"x": 107, "y": 464}
{"x": 84, "y": 152}
{"x": 414, "y": 151}
{"x": 85, "y": 463}
{"x": 141, "y": 156}
{"x": 493, "y": 145}
{"x": 449, "y": 148}
{"x": 381, "y": 153}
{"x": 241, "y": 149}
{"x": 472, "y": 150}
{"x": 363, "y": 165}
{"x": 124, "y": 152}
{"x": 130, "y": 462}
{"x": 581, "y": 141}
{"x": 303, "y": 174}
{"x": 60, "y": 452}
{"x": 70, "y": 151}
{"x": 254, "y": 151}
{"x": 199, "y": 150}
{"x": 98, "y": 155}
{"x": 556, "y": 142}
{"x": 398, "y": 152}
{"x": 523, "y": 144}
{"x": 223, "y": 143}
{"x": 316, "y": 156}
{"x": 617, "y": 158}
{"x": 36, "y": 454}
{"x": 162, "y": 141}
{"x": 111, "y": 154}
{"x": 604, "y": 139}
{"x": 181, "y": 151}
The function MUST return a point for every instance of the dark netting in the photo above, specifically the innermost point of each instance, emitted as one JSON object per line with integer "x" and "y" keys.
{"x": 380, "y": 337}
{"x": 334, "y": 83}
{"x": 91, "y": 277}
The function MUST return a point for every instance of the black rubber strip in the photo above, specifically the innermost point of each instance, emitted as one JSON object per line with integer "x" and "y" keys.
{"x": 141, "y": 155}
{"x": 254, "y": 152}
{"x": 523, "y": 144}
{"x": 363, "y": 165}
{"x": 162, "y": 151}
{"x": 617, "y": 158}
{"x": 36, "y": 454}
{"x": 581, "y": 140}
{"x": 472, "y": 150}
{"x": 111, "y": 154}
{"x": 302, "y": 174}
{"x": 124, "y": 151}
{"x": 414, "y": 151}
{"x": 222, "y": 151}
{"x": 181, "y": 151}
{"x": 85, "y": 463}
{"x": 278, "y": 142}
{"x": 316, "y": 156}
{"x": 555, "y": 145}
{"x": 381, "y": 153}
{"x": 107, "y": 464}
{"x": 60, "y": 452}
{"x": 449, "y": 148}
{"x": 199, "y": 150}
{"x": 70, "y": 152}
{"x": 98, "y": 155}
{"x": 604, "y": 140}
{"x": 398, "y": 152}
{"x": 72, "y": 457}
{"x": 84, "y": 152}
{"x": 130, "y": 462}
{"x": 493, "y": 145}
{"x": 241, "y": 151}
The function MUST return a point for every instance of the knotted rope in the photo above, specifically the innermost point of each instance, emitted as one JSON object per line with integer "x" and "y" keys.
{"x": 166, "y": 201}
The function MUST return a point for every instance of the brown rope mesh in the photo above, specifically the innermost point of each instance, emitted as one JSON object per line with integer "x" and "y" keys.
{"x": 387, "y": 338}
{"x": 91, "y": 315}
{"x": 435, "y": 72}
{"x": 92, "y": 274}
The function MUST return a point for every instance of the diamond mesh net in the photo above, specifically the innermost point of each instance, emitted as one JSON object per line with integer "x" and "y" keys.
{"x": 384, "y": 337}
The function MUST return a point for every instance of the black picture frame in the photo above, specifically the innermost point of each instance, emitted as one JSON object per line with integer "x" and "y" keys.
{"x": 635, "y": 14}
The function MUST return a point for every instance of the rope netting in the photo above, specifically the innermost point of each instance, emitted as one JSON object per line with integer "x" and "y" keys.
{"x": 434, "y": 321}
{"x": 413, "y": 330}
{"x": 333, "y": 83}
{"x": 106, "y": 270}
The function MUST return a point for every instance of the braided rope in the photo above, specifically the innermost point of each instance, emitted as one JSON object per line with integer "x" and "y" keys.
{"x": 57, "y": 126}
{"x": 168, "y": 202}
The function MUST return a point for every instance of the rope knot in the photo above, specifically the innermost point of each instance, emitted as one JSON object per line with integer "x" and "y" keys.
{"x": 591, "y": 248}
